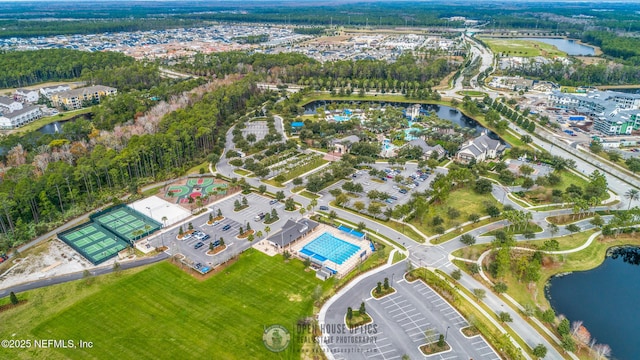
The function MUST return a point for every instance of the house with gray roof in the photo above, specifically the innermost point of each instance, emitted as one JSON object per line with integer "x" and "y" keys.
{"x": 342, "y": 146}
{"x": 427, "y": 149}
{"x": 7, "y": 104}
{"x": 291, "y": 232}
{"x": 18, "y": 118}
{"x": 479, "y": 149}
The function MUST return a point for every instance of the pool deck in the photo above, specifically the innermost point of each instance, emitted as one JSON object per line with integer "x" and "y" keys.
{"x": 350, "y": 263}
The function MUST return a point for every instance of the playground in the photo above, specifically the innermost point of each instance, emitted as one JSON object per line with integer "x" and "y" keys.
{"x": 186, "y": 191}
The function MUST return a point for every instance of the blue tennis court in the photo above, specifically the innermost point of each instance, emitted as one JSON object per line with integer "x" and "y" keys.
{"x": 329, "y": 247}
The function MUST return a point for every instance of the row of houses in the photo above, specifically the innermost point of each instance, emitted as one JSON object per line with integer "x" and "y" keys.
{"x": 13, "y": 114}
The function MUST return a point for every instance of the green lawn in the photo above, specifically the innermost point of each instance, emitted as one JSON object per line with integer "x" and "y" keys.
{"x": 524, "y": 48}
{"x": 242, "y": 172}
{"x": 450, "y": 235}
{"x": 472, "y": 93}
{"x": 161, "y": 312}
{"x": 196, "y": 169}
{"x": 309, "y": 195}
{"x": 465, "y": 200}
{"x": 272, "y": 182}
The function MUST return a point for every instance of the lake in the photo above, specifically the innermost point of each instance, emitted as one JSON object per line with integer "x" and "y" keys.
{"x": 605, "y": 299}
{"x": 443, "y": 112}
{"x": 571, "y": 47}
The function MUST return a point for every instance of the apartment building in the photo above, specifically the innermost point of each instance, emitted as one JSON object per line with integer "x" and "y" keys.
{"x": 74, "y": 99}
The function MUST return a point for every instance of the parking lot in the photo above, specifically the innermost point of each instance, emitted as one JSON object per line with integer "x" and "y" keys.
{"x": 402, "y": 320}
{"x": 258, "y": 128}
{"x": 389, "y": 185}
{"x": 232, "y": 223}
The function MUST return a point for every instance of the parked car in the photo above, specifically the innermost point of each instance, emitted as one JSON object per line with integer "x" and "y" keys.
{"x": 274, "y": 201}
{"x": 226, "y": 227}
{"x": 198, "y": 245}
{"x": 325, "y": 208}
{"x": 403, "y": 191}
{"x": 259, "y": 217}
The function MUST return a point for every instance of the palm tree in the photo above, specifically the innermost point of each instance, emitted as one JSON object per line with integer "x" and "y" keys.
{"x": 632, "y": 194}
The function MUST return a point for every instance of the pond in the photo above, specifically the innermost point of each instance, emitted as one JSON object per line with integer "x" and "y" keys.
{"x": 571, "y": 47}
{"x": 52, "y": 128}
{"x": 56, "y": 127}
{"x": 605, "y": 299}
{"x": 443, "y": 112}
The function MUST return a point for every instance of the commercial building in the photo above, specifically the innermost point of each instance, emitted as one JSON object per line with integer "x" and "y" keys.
{"x": 613, "y": 113}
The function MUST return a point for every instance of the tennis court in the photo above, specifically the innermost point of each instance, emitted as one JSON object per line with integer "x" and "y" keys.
{"x": 127, "y": 223}
{"x": 93, "y": 242}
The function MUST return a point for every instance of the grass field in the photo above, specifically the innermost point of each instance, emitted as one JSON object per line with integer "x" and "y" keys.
{"x": 524, "y": 48}
{"x": 161, "y": 312}
{"x": 464, "y": 200}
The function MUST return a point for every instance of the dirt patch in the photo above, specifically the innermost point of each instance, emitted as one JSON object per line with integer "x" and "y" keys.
{"x": 216, "y": 250}
{"x": 10, "y": 306}
{"x": 295, "y": 297}
{"x": 38, "y": 263}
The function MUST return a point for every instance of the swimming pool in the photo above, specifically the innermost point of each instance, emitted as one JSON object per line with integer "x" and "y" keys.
{"x": 351, "y": 231}
{"x": 329, "y": 247}
{"x": 340, "y": 118}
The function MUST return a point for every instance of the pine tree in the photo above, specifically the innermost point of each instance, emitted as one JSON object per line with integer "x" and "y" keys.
{"x": 13, "y": 298}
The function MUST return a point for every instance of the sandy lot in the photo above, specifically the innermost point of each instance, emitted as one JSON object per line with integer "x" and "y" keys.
{"x": 48, "y": 259}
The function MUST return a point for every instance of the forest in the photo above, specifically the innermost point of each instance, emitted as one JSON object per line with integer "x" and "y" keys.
{"x": 43, "y": 184}
{"x": 624, "y": 48}
{"x": 298, "y": 69}
{"x": 24, "y": 68}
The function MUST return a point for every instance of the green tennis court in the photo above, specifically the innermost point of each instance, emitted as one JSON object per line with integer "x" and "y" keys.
{"x": 109, "y": 231}
{"x": 94, "y": 242}
{"x": 127, "y": 223}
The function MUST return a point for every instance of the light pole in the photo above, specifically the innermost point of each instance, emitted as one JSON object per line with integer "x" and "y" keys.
{"x": 150, "y": 214}
{"x": 446, "y": 333}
